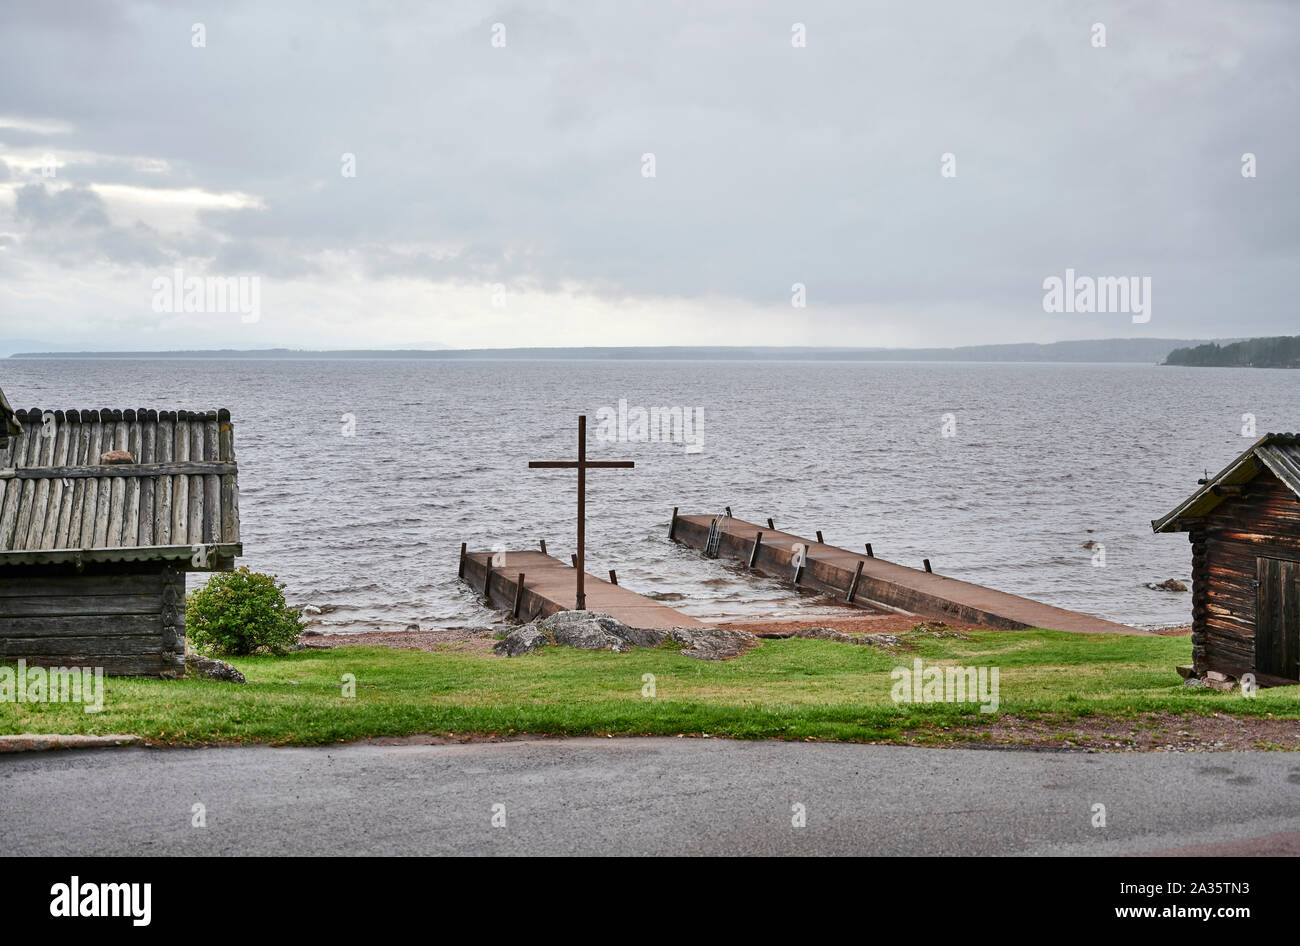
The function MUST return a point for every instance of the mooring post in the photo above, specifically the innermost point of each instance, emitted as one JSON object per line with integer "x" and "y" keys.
{"x": 519, "y": 595}
{"x": 819, "y": 537}
{"x": 460, "y": 572}
{"x": 770, "y": 524}
{"x": 927, "y": 565}
{"x": 870, "y": 554}
{"x": 574, "y": 559}
{"x": 728, "y": 508}
{"x": 853, "y": 588}
{"x": 672, "y": 526}
{"x": 613, "y": 577}
{"x": 753, "y": 555}
{"x": 487, "y": 577}
{"x": 543, "y": 544}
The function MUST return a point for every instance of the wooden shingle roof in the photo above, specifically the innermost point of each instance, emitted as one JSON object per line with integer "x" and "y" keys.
{"x": 175, "y": 498}
{"x": 1277, "y": 453}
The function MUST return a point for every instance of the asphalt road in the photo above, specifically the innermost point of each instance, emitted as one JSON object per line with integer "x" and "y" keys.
{"x": 644, "y": 796}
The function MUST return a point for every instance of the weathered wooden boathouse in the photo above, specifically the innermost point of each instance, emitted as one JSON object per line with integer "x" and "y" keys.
{"x": 102, "y": 513}
{"x": 1244, "y": 526}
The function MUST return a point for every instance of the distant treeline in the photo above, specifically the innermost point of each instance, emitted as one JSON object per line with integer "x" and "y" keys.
{"x": 1282, "y": 351}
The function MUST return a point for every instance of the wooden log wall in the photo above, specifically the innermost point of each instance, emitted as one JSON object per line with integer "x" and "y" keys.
{"x": 1265, "y": 522}
{"x": 81, "y": 511}
{"x": 1200, "y": 602}
{"x": 130, "y": 622}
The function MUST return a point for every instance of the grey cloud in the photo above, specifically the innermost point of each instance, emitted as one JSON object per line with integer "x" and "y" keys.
{"x": 70, "y": 227}
{"x": 775, "y": 165}
{"x": 249, "y": 257}
{"x": 73, "y": 207}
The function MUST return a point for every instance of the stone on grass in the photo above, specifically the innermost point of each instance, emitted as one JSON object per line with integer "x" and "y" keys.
{"x": 939, "y": 629}
{"x": 1219, "y": 681}
{"x": 820, "y": 633}
{"x": 885, "y": 641}
{"x": 521, "y": 640}
{"x": 641, "y": 636}
{"x": 586, "y": 630}
{"x": 199, "y": 666}
{"x": 711, "y": 643}
{"x": 595, "y": 630}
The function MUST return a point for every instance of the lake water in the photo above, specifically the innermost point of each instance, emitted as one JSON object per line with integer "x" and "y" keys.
{"x": 1042, "y": 459}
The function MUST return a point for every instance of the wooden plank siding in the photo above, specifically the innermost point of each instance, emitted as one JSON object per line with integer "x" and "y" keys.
{"x": 1264, "y": 523}
{"x": 128, "y": 621}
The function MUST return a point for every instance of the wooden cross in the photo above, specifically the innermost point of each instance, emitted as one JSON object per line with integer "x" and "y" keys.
{"x": 582, "y": 464}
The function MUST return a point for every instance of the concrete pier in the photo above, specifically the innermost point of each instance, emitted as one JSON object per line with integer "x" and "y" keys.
{"x": 881, "y": 583}
{"x": 549, "y": 587}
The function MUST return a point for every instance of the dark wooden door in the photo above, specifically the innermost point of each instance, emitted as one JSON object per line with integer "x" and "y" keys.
{"x": 1277, "y": 618}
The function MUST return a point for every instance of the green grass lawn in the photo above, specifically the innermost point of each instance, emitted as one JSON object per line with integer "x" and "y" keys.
{"x": 789, "y": 689}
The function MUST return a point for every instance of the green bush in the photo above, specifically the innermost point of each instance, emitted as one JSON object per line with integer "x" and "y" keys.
{"x": 240, "y": 613}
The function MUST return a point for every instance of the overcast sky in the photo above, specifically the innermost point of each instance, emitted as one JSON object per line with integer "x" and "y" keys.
{"x": 500, "y": 195}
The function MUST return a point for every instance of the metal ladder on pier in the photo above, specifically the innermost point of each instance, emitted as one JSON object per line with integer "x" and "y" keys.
{"x": 719, "y": 524}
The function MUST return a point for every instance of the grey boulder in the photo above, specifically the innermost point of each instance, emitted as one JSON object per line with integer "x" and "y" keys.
{"x": 594, "y": 630}
{"x": 521, "y": 640}
{"x": 712, "y": 643}
{"x": 587, "y": 630}
{"x": 197, "y": 665}
{"x": 885, "y": 641}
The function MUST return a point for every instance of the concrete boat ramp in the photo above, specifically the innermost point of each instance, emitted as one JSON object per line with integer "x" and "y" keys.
{"x": 874, "y": 584}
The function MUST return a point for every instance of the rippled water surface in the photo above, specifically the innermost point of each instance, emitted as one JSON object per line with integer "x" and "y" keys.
{"x": 1044, "y": 458}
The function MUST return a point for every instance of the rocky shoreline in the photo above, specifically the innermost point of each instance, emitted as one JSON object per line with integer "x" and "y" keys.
{"x": 486, "y": 640}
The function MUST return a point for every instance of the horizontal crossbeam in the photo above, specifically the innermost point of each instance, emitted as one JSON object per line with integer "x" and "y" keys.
{"x": 181, "y": 468}
{"x": 575, "y": 464}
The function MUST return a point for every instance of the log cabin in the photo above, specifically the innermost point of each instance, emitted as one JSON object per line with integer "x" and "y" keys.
{"x": 1244, "y": 527}
{"x": 102, "y": 514}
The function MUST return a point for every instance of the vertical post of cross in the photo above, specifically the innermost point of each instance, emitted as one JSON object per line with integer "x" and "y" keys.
{"x": 581, "y": 465}
{"x": 582, "y": 512}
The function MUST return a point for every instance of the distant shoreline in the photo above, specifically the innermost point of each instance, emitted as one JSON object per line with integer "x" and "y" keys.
{"x": 1150, "y": 351}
